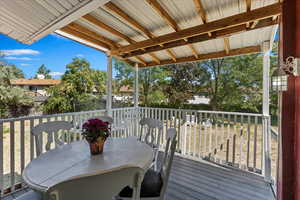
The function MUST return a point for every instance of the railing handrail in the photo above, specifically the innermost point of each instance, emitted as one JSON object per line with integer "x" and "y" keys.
{"x": 208, "y": 111}
{"x": 58, "y": 115}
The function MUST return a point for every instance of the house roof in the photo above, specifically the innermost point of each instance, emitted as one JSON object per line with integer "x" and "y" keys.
{"x": 125, "y": 89}
{"x": 37, "y": 82}
{"x": 159, "y": 32}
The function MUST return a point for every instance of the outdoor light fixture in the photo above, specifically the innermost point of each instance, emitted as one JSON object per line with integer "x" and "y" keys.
{"x": 280, "y": 76}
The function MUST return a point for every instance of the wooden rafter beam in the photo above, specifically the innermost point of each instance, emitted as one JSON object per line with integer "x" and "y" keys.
{"x": 114, "y": 8}
{"x": 141, "y": 60}
{"x": 226, "y": 45}
{"x": 92, "y": 34}
{"x": 201, "y": 38}
{"x": 155, "y": 58}
{"x": 109, "y": 29}
{"x": 163, "y": 13}
{"x": 169, "y": 20}
{"x": 228, "y": 22}
{"x": 85, "y": 37}
{"x": 114, "y": 32}
{"x": 201, "y": 12}
{"x": 248, "y": 5}
{"x": 248, "y": 9}
{"x": 233, "y": 52}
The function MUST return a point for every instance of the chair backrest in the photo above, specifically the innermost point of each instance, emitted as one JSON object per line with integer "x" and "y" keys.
{"x": 52, "y": 130}
{"x": 97, "y": 187}
{"x": 154, "y": 129}
{"x": 168, "y": 158}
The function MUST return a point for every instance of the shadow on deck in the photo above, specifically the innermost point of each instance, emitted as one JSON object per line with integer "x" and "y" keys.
{"x": 202, "y": 180}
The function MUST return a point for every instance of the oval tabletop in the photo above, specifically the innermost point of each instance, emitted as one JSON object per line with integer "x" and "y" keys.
{"x": 74, "y": 160}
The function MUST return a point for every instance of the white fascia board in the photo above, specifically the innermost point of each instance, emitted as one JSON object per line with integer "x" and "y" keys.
{"x": 82, "y": 41}
{"x": 71, "y": 15}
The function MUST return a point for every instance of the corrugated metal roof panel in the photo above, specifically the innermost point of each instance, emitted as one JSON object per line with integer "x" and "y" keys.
{"x": 32, "y": 19}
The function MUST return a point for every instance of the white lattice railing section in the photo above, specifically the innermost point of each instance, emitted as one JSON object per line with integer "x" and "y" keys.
{"x": 238, "y": 140}
{"x": 17, "y": 146}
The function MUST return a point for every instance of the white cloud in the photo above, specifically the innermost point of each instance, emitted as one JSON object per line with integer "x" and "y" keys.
{"x": 56, "y": 73}
{"x": 19, "y": 52}
{"x": 17, "y": 58}
{"x": 24, "y": 64}
{"x": 79, "y": 55}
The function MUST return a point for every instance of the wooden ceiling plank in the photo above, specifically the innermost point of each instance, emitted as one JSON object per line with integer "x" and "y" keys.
{"x": 226, "y": 45}
{"x": 233, "y": 52}
{"x": 239, "y": 19}
{"x": 201, "y": 38}
{"x": 85, "y": 37}
{"x": 169, "y": 20}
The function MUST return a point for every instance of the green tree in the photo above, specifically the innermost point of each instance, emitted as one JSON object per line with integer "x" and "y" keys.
{"x": 79, "y": 83}
{"x": 179, "y": 85}
{"x": 43, "y": 70}
{"x": 13, "y": 100}
{"x": 9, "y": 72}
{"x": 150, "y": 79}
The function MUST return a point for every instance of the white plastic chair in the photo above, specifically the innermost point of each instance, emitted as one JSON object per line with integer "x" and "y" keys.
{"x": 155, "y": 183}
{"x": 104, "y": 186}
{"x": 52, "y": 130}
{"x": 154, "y": 130}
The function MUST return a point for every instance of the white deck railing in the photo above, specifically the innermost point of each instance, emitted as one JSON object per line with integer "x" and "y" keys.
{"x": 239, "y": 140}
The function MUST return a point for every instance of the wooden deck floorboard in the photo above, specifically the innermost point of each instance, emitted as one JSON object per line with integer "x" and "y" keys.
{"x": 201, "y": 180}
{"x": 193, "y": 180}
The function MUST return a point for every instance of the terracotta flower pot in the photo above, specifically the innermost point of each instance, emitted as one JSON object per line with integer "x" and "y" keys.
{"x": 97, "y": 146}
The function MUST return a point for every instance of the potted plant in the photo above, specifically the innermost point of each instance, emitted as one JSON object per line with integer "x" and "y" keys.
{"x": 96, "y": 131}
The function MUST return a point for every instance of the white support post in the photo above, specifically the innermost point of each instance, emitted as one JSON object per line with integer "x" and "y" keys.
{"x": 109, "y": 86}
{"x": 266, "y": 112}
{"x": 136, "y": 86}
{"x": 136, "y": 98}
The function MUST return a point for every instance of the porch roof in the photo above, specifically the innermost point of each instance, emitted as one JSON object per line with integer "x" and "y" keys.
{"x": 148, "y": 32}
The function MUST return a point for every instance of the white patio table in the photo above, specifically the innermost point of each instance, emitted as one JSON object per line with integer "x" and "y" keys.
{"x": 74, "y": 160}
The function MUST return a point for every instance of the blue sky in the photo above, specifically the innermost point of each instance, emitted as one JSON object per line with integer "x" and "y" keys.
{"x": 54, "y": 51}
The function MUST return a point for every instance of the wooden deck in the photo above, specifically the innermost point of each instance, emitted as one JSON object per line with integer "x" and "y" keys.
{"x": 194, "y": 180}
{"x": 191, "y": 180}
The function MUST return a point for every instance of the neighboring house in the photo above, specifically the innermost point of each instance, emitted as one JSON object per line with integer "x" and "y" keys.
{"x": 125, "y": 93}
{"x": 199, "y": 100}
{"x": 35, "y": 87}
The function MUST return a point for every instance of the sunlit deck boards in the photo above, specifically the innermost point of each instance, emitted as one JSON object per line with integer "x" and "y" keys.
{"x": 191, "y": 180}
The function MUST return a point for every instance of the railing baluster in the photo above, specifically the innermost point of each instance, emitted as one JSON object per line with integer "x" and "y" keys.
{"x": 31, "y": 140}
{"x": 195, "y": 131}
{"x": 255, "y": 145}
{"x": 12, "y": 153}
{"x": 1, "y": 159}
{"x": 200, "y": 134}
{"x": 248, "y": 141}
{"x": 233, "y": 149}
{"x": 22, "y": 145}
